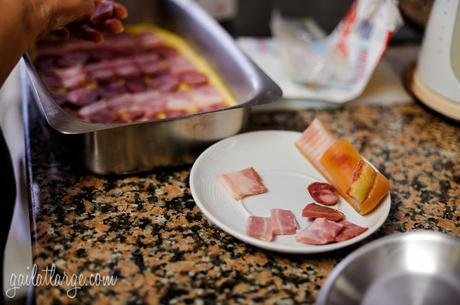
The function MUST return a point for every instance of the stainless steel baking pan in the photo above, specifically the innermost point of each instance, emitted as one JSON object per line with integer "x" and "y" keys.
{"x": 135, "y": 147}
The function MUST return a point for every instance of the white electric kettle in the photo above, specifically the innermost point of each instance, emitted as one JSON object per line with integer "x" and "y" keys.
{"x": 436, "y": 78}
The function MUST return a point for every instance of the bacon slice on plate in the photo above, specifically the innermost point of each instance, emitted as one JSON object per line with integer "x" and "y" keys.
{"x": 313, "y": 210}
{"x": 320, "y": 232}
{"x": 283, "y": 222}
{"x": 260, "y": 228}
{"x": 349, "y": 231}
{"x": 243, "y": 183}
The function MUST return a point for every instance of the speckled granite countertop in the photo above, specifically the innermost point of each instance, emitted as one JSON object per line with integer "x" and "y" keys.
{"x": 147, "y": 231}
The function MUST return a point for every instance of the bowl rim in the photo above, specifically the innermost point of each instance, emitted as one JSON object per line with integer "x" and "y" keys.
{"x": 399, "y": 236}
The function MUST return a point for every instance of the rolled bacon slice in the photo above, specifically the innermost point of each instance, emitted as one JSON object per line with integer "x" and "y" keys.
{"x": 283, "y": 222}
{"x": 320, "y": 232}
{"x": 260, "y": 228}
{"x": 340, "y": 163}
{"x": 243, "y": 183}
{"x": 313, "y": 210}
{"x": 349, "y": 231}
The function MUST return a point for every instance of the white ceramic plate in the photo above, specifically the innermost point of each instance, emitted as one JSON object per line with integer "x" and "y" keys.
{"x": 286, "y": 174}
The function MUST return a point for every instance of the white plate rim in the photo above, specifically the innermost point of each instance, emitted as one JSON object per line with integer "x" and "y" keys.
{"x": 270, "y": 245}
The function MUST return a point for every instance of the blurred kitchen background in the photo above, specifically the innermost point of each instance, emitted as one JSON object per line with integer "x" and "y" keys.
{"x": 252, "y": 18}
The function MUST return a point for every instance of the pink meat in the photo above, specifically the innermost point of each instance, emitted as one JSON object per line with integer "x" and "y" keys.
{"x": 320, "y": 232}
{"x": 151, "y": 101}
{"x": 127, "y": 70}
{"x": 179, "y": 64}
{"x": 92, "y": 109}
{"x": 260, "y": 228}
{"x": 193, "y": 78}
{"x": 112, "y": 90}
{"x": 101, "y": 71}
{"x": 243, "y": 183}
{"x": 175, "y": 114}
{"x": 148, "y": 40}
{"x": 349, "y": 231}
{"x": 207, "y": 97}
{"x": 166, "y": 52}
{"x": 71, "y": 77}
{"x": 103, "y": 65}
{"x": 82, "y": 96}
{"x": 146, "y": 97}
{"x": 130, "y": 114}
{"x": 72, "y": 59}
{"x": 102, "y": 75}
{"x": 153, "y": 67}
{"x": 165, "y": 83}
{"x": 283, "y": 222}
{"x": 314, "y": 210}
{"x": 178, "y": 101}
{"x": 143, "y": 58}
{"x": 119, "y": 102}
{"x": 136, "y": 85}
{"x": 101, "y": 54}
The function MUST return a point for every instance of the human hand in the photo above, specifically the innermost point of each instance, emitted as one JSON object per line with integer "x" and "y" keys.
{"x": 86, "y": 19}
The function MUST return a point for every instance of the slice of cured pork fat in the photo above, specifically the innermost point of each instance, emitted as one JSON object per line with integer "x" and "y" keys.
{"x": 320, "y": 232}
{"x": 349, "y": 231}
{"x": 260, "y": 228}
{"x": 243, "y": 183}
{"x": 283, "y": 222}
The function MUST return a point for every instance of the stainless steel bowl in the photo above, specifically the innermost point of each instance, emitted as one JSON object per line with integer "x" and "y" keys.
{"x": 417, "y": 268}
{"x": 135, "y": 147}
